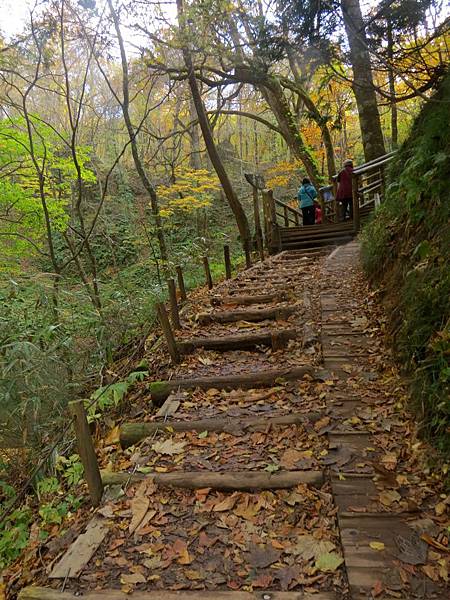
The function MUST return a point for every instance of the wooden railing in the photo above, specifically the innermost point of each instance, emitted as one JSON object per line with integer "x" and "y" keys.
{"x": 369, "y": 186}
{"x": 368, "y": 191}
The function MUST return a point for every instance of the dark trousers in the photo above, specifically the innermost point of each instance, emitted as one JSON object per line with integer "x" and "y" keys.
{"x": 347, "y": 208}
{"x": 308, "y": 215}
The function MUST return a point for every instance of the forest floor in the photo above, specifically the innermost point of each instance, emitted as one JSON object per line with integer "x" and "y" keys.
{"x": 362, "y": 512}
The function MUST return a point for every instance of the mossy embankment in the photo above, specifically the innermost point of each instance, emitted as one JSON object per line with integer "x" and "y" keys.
{"x": 406, "y": 252}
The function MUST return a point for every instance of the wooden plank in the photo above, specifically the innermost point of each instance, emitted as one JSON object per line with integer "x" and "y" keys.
{"x": 160, "y": 390}
{"x": 228, "y": 481}
{"x": 237, "y": 342}
{"x": 246, "y": 300}
{"x": 81, "y": 551}
{"x": 130, "y": 433}
{"x": 252, "y": 315}
{"x": 41, "y": 593}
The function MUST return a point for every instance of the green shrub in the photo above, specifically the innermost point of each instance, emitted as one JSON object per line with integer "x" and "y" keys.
{"x": 406, "y": 252}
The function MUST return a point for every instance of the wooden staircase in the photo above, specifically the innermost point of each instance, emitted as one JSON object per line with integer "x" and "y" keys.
{"x": 283, "y": 229}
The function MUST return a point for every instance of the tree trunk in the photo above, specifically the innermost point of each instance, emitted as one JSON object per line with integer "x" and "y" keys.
{"x": 391, "y": 80}
{"x": 195, "y": 159}
{"x": 125, "y": 105}
{"x": 235, "y": 205}
{"x": 315, "y": 114}
{"x": 363, "y": 88}
{"x": 274, "y": 95}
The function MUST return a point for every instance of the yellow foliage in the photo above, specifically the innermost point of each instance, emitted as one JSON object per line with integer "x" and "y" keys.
{"x": 193, "y": 189}
{"x": 282, "y": 173}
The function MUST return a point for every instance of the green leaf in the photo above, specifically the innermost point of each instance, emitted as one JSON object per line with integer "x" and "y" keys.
{"x": 203, "y": 434}
{"x": 272, "y": 468}
{"x": 329, "y": 562}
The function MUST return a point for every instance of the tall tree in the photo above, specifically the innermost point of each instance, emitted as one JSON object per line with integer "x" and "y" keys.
{"x": 363, "y": 86}
{"x": 233, "y": 200}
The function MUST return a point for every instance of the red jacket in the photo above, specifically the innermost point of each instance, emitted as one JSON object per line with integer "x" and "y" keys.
{"x": 345, "y": 183}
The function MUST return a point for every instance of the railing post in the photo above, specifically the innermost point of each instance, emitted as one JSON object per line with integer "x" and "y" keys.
{"x": 181, "y": 285}
{"x": 286, "y": 216}
{"x": 355, "y": 193}
{"x": 209, "y": 281}
{"x": 274, "y": 233}
{"x": 86, "y": 451}
{"x": 173, "y": 304}
{"x": 168, "y": 333}
{"x": 227, "y": 260}
{"x": 258, "y": 232}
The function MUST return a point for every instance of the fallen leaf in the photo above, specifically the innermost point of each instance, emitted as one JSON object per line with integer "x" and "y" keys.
{"x": 180, "y": 549}
{"x": 193, "y": 575}
{"x": 309, "y": 547}
{"x": 377, "y": 546}
{"x": 389, "y": 461}
{"x": 139, "y": 506}
{"x": 132, "y": 578}
{"x": 113, "y": 436}
{"x": 168, "y": 447}
{"x": 377, "y": 588}
{"x": 228, "y": 503}
{"x": 388, "y": 497}
{"x": 203, "y": 434}
{"x": 328, "y": 562}
{"x": 440, "y": 508}
{"x": 263, "y": 556}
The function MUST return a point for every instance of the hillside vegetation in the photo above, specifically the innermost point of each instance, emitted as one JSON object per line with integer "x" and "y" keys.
{"x": 406, "y": 253}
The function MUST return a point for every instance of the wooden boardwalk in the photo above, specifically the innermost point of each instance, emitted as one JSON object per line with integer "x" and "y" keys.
{"x": 253, "y": 483}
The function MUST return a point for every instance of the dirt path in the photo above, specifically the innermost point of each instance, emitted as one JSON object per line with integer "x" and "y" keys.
{"x": 357, "y": 516}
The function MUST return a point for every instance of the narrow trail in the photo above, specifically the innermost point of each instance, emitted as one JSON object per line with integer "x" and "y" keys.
{"x": 295, "y": 488}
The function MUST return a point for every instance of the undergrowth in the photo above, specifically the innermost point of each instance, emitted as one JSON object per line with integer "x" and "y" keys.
{"x": 406, "y": 254}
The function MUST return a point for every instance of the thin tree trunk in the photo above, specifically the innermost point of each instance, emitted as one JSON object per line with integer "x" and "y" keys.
{"x": 318, "y": 118}
{"x": 363, "y": 88}
{"x": 235, "y": 205}
{"x": 195, "y": 158}
{"x": 391, "y": 80}
{"x": 274, "y": 95}
{"x": 125, "y": 105}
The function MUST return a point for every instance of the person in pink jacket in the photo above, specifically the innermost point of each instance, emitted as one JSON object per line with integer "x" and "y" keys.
{"x": 345, "y": 190}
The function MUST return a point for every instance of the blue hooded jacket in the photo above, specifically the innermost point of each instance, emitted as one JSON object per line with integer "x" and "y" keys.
{"x": 306, "y": 195}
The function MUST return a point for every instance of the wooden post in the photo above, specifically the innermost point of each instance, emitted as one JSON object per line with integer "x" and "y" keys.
{"x": 248, "y": 258}
{"x": 286, "y": 216}
{"x": 355, "y": 193}
{"x": 209, "y": 281}
{"x": 226, "y": 256}
{"x": 168, "y": 333}
{"x": 86, "y": 451}
{"x": 335, "y": 202}
{"x": 181, "y": 285}
{"x": 173, "y": 304}
{"x": 258, "y": 231}
{"x": 297, "y": 219}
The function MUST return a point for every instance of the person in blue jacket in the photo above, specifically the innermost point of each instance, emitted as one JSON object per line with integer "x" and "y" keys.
{"x": 306, "y": 196}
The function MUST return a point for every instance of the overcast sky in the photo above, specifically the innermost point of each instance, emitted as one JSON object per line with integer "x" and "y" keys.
{"x": 14, "y": 14}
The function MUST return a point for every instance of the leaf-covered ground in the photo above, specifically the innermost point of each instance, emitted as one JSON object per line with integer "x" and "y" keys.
{"x": 162, "y": 538}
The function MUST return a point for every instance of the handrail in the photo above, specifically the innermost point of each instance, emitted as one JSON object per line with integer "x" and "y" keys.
{"x": 373, "y": 164}
{"x": 284, "y": 205}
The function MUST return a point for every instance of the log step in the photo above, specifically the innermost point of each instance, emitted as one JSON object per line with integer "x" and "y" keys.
{"x": 130, "y": 433}
{"x": 276, "y": 339}
{"x": 247, "y": 300}
{"x": 42, "y": 593}
{"x": 160, "y": 390}
{"x": 255, "y": 315}
{"x": 227, "y": 481}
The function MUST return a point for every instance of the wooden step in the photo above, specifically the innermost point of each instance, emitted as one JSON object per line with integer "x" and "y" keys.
{"x": 276, "y": 339}
{"x": 42, "y": 593}
{"x": 130, "y": 433}
{"x": 248, "y": 300}
{"x": 254, "y": 316}
{"x": 227, "y": 481}
{"x": 160, "y": 390}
